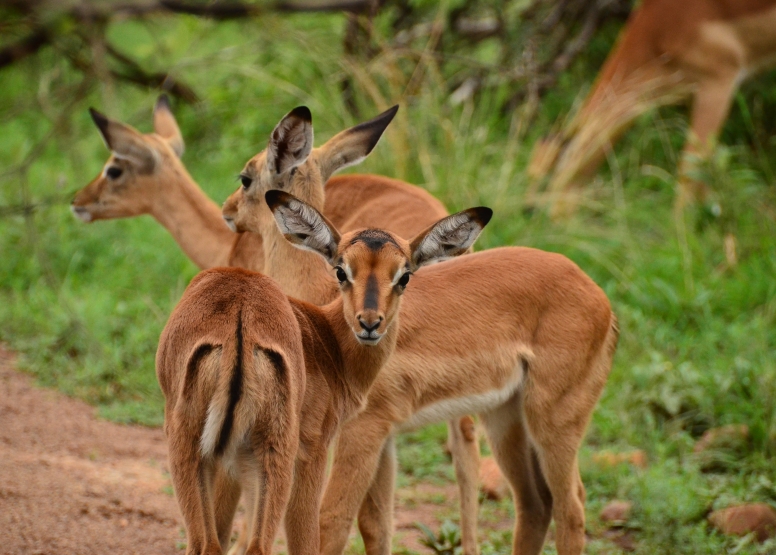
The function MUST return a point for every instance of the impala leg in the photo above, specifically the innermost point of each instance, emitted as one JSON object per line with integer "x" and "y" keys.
{"x": 302, "y": 530}
{"x": 375, "y": 516}
{"x": 464, "y": 446}
{"x": 226, "y": 496}
{"x": 356, "y": 459}
{"x": 517, "y": 459}
{"x": 192, "y": 479}
{"x": 275, "y": 471}
{"x": 711, "y": 104}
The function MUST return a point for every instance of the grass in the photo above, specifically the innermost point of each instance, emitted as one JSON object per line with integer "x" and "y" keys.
{"x": 84, "y": 304}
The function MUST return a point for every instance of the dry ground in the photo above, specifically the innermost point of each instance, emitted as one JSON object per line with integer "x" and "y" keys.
{"x": 70, "y": 483}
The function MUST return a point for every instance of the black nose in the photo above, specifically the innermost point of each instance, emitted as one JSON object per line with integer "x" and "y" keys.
{"x": 370, "y": 327}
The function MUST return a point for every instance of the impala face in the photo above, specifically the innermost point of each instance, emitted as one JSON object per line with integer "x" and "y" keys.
{"x": 373, "y": 269}
{"x": 291, "y": 164}
{"x": 373, "y": 266}
{"x": 139, "y": 164}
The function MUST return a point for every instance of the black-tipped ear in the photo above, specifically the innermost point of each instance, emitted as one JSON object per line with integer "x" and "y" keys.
{"x": 302, "y": 225}
{"x": 291, "y": 141}
{"x": 351, "y": 146}
{"x": 166, "y": 126}
{"x": 450, "y": 236}
{"x": 102, "y": 122}
{"x": 125, "y": 142}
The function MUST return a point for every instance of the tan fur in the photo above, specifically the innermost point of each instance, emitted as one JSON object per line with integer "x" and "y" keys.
{"x": 229, "y": 327}
{"x": 521, "y": 336}
{"x": 351, "y": 202}
{"x": 170, "y": 195}
{"x": 668, "y": 52}
{"x": 166, "y": 191}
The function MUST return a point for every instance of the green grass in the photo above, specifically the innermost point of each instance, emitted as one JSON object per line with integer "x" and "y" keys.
{"x": 84, "y": 304}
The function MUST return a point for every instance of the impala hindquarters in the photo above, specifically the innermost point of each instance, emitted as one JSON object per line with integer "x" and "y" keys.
{"x": 231, "y": 366}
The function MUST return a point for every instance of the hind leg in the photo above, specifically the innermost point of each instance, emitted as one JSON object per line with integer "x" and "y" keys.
{"x": 517, "y": 459}
{"x": 192, "y": 479}
{"x": 226, "y": 496}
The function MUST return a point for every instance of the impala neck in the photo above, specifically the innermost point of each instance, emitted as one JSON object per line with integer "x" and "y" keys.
{"x": 301, "y": 274}
{"x": 192, "y": 219}
{"x": 361, "y": 363}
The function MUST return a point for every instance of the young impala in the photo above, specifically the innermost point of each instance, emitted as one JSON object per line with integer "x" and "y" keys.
{"x": 256, "y": 383}
{"x": 667, "y": 52}
{"x": 521, "y": 336}
{"x": 145, "y": 175}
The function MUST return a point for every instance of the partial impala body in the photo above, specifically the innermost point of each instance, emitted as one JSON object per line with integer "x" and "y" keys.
{"x": 145, "y": 175}
{"x": 668, "y": 52}
{"x": 256, "y": 383}
{"x": 521, "y": 336}
{"x": 378, "y": 202}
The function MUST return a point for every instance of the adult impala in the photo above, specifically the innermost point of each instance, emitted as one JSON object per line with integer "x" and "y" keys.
{"x": 668, "y": 51}
{"x": 519, "y": 335}
{"x": 256, "y": 383}
{"x": 145, "y": 175}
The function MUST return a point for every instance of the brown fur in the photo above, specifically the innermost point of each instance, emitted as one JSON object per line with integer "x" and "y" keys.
{"x": 351, "y": 202}
{"x": 250, "y": 376}
{"x": 521, "y": 321}
{"x": 168, "y": 193}
{"x": 667, "y": 52}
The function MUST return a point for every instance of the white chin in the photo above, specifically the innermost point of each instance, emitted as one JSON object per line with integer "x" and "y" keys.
{"x": 82, "y": 214}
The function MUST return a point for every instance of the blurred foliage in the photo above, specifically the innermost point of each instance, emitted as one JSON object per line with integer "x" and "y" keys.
{"x": 84, "y": 304}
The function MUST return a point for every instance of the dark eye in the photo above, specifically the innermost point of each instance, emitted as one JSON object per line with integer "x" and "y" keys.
{"x": 293, "y": 171}
{"x": 404, "y": 280}
{"x": 246, "y": 181}
{"x": 114, "y": 172}
{"x": 341, "y": 275}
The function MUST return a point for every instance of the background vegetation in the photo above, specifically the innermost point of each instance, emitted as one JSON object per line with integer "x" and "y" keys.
{"x": 84, "y": 304}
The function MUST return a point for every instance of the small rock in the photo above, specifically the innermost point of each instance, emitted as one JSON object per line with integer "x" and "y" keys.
{"x": 637, "y": 458}
{"x": 740, "y": 520}
{"x": 616, "y": 512}
{"x": 724, "y": 437}
{"x": 123, "y": 523}
{"x": 492, "y": 481}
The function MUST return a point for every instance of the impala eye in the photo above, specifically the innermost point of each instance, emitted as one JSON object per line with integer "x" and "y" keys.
{"x": 114, "y": 172}
{"x": 246, "y": 181}
{"x": 342, "y": 277}
{"x": 404, "y": 280}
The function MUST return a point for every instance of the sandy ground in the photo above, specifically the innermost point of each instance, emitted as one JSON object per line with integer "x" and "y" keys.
{"x": 73, "y": 484}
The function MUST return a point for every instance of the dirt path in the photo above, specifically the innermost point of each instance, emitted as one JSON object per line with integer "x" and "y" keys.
{"x": 72, "y": 484}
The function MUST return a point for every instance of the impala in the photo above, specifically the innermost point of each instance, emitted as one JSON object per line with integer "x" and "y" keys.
{"x": 255, "y": 383}
{"x": 521, "y": 336}
{"x": 668, "y": 52}
{"x": 145, "y": 175}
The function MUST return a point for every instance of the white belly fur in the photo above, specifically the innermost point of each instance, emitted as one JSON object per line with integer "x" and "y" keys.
{"x": 460, "y": 406}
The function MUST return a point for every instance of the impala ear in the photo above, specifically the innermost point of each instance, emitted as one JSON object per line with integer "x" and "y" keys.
{"x": 166, "y": 126}
{"x": 450, "y": 236}
{"x": 351, "y": 146}
{"x": 291, "y": 141}
{"x": 126, "y": 142}
{"x": 302, "y": 225}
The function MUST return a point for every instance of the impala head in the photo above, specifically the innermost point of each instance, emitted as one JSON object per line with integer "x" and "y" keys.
{"x": 137, "y": 167}
{"x": 291, "y": 164}
{"x": 373, "y": 266}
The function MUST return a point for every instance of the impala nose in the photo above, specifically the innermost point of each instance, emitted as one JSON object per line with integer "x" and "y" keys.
{"x": 369, "y": 326}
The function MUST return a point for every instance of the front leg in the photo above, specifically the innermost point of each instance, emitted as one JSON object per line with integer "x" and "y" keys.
{"x": 375, "y": 517}
{"x": 356, "y": 458}
{"x": 464, "y": 446}
{"x": 302, "y": 527}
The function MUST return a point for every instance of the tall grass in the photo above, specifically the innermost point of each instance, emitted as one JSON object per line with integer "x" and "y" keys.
{"x": 84, "y": 304}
